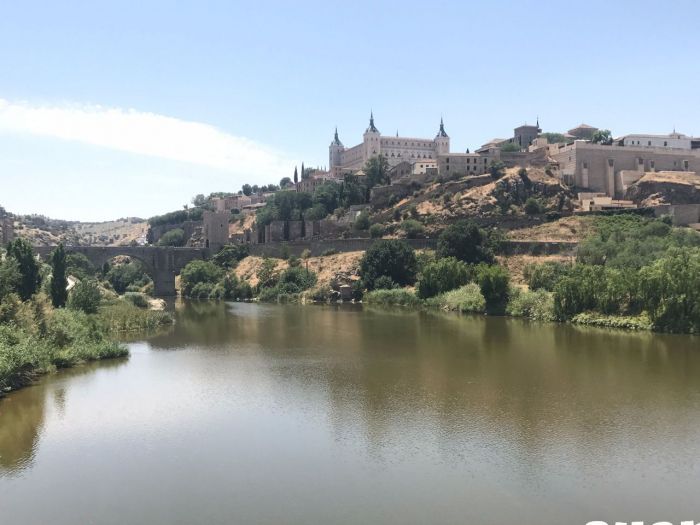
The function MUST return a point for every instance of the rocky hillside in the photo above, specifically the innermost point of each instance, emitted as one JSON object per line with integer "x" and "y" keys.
{"x": 667, "y": 187}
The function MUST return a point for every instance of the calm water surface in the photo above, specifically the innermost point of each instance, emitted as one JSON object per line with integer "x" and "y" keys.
{"x": 316, "y": 415}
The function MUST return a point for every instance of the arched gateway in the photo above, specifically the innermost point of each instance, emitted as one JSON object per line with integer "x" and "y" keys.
{"x": 161, "y": 263}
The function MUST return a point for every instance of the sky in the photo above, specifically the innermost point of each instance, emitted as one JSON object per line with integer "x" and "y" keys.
{"x": 130, "y": 108}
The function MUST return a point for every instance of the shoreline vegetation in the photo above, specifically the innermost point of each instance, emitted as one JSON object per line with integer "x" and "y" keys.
{"x": 45, "y": 324}
{"x": 631, "y": 272}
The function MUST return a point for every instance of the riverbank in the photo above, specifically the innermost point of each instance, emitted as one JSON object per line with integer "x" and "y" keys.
{"x": 37, "y": 339}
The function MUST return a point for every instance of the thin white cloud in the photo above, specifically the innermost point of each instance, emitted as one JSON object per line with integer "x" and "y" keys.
{"x": 145, "y": 134}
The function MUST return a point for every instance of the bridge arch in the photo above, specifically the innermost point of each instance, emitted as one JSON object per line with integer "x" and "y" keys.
{"x": 161, "y": 263}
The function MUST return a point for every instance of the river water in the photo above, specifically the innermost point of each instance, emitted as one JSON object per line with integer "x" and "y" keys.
{"x": 246, "y": 413}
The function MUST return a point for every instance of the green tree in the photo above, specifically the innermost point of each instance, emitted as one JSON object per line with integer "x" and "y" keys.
{"x": 376, "y": 231}
{"x": 174, "y": 237}
{"x": 493, "y": 282}
{"x": 23, "y": 253}
{"x": 267, "y": 273}
{"x": 533, "y": 206}
{"x": 124, "y": 276}
{"x": 79, "y": 266}
{"x": 85, "y": 296}
{"x": 230, "y": 255}
{"x": 362, "y": 221}
{"x": 670, "y": 290}
{"x": 393, "y": 258}
{"x": 59, "y": 283}
{"x": 10, "y": 277}
{"x": 203, "y": 273}
{"x": 465, "y": 241}
{"x": 285, "y": 182}
{"x": 602, "y": 136}
{"x": 413, "y": 229}
{"x": 377, "y": 171}
{"x": 327, "y": 195}
{"x": 442, "y": 276}
{"x": 497, "y": 169}
{"x": 510, "y": 147}
{"x": 247, "y": 190}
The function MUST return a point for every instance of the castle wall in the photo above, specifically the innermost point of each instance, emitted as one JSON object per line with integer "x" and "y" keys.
{"x": 594, "y": 166}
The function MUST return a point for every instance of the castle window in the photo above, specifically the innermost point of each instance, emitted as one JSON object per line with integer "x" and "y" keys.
{"x": 649, "y": 143}
{"x": 665, "y": 143}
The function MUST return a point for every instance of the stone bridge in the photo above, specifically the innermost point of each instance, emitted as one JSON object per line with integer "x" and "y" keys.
{"x": 161, "y": 263}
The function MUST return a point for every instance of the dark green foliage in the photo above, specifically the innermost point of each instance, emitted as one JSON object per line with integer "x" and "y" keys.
{"x": 384, "y": 282}
{"x": 442, "y": 276}
{"x": 22, "y": 252}
{"x": 602, "y": 136}
{"x": 545, "y": 276}
{"x": 494, "y": 284}
{"x": 291, "y": 282}
{"x": 392, "y": 258}
{"x": 377, "y": 171}
{"x": 199, "y": 276}
{"x": 230, "y": 255}
{"x": 670, "y": 290}
{"x": 79, "y": 266}
{"x": 316, "y": 213}
{"x": 125, "y": 276}
{"x": 327, "y": 197}
{"x": 362, "y": 221}
{"x": 85, "y": 296}
{"x": 465, "y": 241}
{"x": 175, "y": 237}
{"x": 413, "y": 229}
{"x": 59, "y": 283}
{"x": 376, "y": 231}
{"x": 555, "y": 138}
{"x": 247, "y": 190}
{"x": 10, "y": 277}
{"x": 533, "y": 206}
{"x": 510, "y": 147}
{"x": 632, "y": 241}
{"x": 497, "y": 169}
{"x": 267, "y": 273}
{"x": 177, "y": 217}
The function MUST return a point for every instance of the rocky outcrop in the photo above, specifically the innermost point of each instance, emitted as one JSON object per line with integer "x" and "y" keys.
{"x": 668, "y": 187}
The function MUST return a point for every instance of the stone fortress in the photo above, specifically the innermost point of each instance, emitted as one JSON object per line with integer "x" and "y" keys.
{"x": 394, "y": 149}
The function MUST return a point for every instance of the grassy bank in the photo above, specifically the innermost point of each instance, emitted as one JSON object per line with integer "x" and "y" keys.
{"x": 36, "y": 338}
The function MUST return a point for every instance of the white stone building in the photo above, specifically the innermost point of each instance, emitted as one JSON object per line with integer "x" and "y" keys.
{"x": 393, "y": 149}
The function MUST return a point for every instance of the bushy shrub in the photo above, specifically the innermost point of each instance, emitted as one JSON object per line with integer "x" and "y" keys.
{"x": 123, "y": 276}
{"x": 536, "y": 305}
{"x": 393, "y": 297}
{"x": 534, "y": 206}
{"x": 137, "y": 299}
{"x": 413, "y": 229}
{"x": 267, "y": 273}
{"x": 376, "y": 231}
{"x": 442, "y": 276}
{"x": 85, "y": 296}
{"x": 465, "y": 241}
{"x": 466, "y": 299}
{"x": 230, "y": 255}
{"x": 196, "y": 273}
{"x": 545, "y": 276}
{"x": 392, "y": 258}
{"x": 362, "y": 221}
{"x": 384, "y": 282}
{"x": 79, "y": 266}
{"x": 494, "y": 284}
{"x": 175, "y": 237}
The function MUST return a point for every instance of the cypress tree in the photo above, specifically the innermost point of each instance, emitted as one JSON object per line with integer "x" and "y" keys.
{"x": 21, "y": 251}
{"x": 59, "y": 294}
{"x": 303, "y": 175}
{"x": 296, "y": 175}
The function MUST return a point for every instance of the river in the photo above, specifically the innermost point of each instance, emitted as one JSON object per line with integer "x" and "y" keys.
{"x": 246, "y": 413}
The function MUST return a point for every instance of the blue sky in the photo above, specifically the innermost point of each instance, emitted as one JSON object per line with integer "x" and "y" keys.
{"x": 129, "y": 108}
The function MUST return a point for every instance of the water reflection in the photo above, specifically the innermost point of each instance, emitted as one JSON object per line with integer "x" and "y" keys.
{"x": 267, "y": 406}
{"x": 23, "y": 413}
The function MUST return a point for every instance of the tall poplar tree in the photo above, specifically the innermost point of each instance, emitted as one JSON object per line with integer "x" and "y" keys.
{"x": 22, "y": 252}
{"x": 59, "y": 283}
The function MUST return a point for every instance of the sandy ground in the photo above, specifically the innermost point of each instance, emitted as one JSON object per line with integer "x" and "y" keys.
{"x": 572, "y": 228}
{"x": 326, "y": 267}
{"x": 517, "y": 263}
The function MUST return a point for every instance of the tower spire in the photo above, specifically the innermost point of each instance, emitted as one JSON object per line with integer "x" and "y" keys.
{"x": 372, "y": 127}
